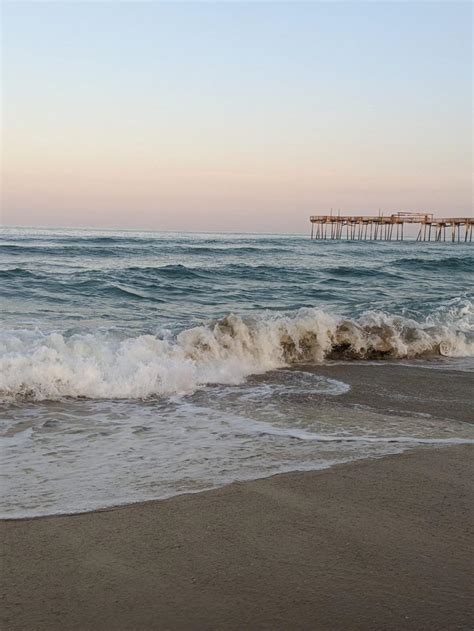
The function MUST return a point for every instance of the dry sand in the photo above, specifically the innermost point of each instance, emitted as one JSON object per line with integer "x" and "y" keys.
{"x": 381, "y": 544}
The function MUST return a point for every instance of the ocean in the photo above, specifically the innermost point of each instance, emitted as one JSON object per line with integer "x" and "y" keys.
{"x": 140, "y": 365}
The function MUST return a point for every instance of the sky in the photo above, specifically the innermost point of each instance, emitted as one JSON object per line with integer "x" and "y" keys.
{"x": 233, "y": 116}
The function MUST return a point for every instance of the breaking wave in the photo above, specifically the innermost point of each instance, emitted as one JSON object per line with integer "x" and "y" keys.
{"x": 101, "y": 365}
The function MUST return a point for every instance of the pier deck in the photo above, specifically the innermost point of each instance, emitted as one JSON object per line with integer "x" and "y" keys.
{"x": 391, "y": 227}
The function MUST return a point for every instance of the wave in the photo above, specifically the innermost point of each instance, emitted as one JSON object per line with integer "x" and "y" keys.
{"x": 174, "y": 271}
{"x": 132, "y": 293}
{"x": 62, "y": 251}
{"x": 229, "y": 250}
{"x": 458, "y": 263}
{"x": 357, "y": 272}
{"x": 107, "y": 248}
{"x": 155, "y": 275}
{"x": 101, "y": 365}
{"x": 16, "y": 273}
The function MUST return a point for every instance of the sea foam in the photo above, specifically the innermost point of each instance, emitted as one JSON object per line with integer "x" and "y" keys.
{"x": 101, "y": 365}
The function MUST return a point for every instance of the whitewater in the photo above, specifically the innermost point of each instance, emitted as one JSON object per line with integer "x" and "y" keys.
{"x": 137, "y": 365}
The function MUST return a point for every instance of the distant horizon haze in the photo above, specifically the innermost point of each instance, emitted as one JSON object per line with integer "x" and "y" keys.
{"x": 233, "y": 117}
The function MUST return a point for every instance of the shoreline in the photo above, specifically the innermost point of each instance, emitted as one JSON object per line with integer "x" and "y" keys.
{"x": 387, "y": 389}
{"x": 126, "y": 505}
{"x": 317, "y": 470}
{"x": 377, "y": 543}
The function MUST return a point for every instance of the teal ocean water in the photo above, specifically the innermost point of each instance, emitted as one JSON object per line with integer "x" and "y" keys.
{"x": 136, "y": 365}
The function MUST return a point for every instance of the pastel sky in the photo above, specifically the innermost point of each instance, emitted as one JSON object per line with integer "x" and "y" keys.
{"x": 233, "y": 116}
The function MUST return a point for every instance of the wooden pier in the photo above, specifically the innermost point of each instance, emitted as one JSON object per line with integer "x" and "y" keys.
{"x": 391, "y": 227}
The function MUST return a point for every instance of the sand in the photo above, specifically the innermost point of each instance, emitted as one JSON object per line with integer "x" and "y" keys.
{"x": 397, "y": 388}
{"x": 380, "y": 544}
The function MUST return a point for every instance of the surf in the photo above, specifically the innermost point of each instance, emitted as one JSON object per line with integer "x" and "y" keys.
{"x": 109, "y": 365}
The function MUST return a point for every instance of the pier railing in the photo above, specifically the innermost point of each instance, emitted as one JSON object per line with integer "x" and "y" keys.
{"x": 391, "y": 227}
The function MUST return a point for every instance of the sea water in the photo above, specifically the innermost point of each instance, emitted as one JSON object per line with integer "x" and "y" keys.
{"x": 140, "y": 365}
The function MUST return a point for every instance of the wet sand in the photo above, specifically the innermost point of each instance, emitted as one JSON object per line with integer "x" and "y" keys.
{"x": 392, "y": 387}
{"x": 381, "y": 544}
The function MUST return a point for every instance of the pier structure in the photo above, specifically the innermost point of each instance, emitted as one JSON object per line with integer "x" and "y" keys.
{"x": 391, "y": 227}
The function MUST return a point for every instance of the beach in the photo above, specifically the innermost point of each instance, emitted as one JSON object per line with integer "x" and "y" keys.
{"x": 237, "y": 317}
{"x": 234, "y": 431}
{"x": 379, "y": 544}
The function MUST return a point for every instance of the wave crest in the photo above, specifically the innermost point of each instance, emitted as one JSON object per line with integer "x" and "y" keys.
{"x": 100, "y": 365}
